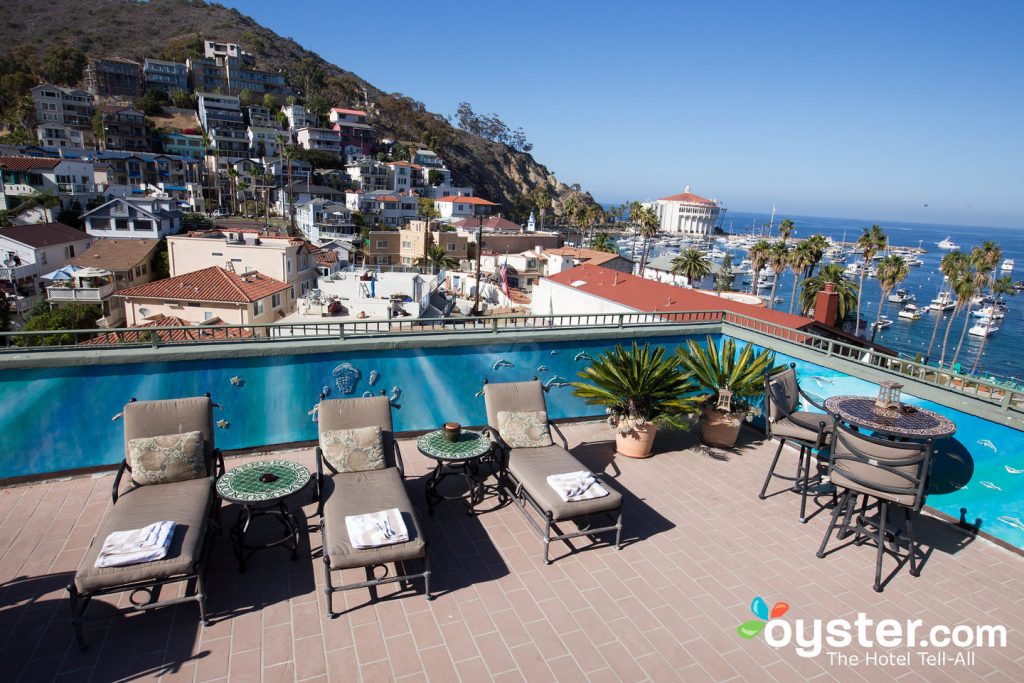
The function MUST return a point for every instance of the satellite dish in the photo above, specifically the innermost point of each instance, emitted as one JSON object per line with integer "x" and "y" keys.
{"x": 143, "y": 312}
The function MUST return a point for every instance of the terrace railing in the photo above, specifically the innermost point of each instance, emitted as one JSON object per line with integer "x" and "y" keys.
{"x": 1007, "y": 395}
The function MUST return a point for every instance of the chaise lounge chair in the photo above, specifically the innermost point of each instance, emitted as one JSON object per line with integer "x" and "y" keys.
{"x": 527, "y": 469}
{"x": 367, "y": 485}
{"x": 171, "y": 480}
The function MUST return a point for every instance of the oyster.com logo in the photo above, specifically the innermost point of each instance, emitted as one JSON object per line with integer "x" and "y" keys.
{"x": 751, "y": 629}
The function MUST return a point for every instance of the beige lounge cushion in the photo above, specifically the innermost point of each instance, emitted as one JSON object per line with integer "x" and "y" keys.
{"x": 864, "y": 477}
{"x": 167, "y": 458}
{"x": 533, "y": 466}
{"x": 359, "y": 493}
{"x": 186, "y": 503}
{"x": 525, "y": 428}
{"x": 354, "y": 450}
{"x": 803, "y": 426}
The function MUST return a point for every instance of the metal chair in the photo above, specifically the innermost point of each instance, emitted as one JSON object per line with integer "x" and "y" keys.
{"x": 810, "y": 431}
{"x": 890, "y": 473}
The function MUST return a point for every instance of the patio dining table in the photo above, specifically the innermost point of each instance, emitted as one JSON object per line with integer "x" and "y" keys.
{"x": 906, "y": 422}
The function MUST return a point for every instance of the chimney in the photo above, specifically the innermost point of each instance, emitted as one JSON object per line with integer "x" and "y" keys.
{"x": 826, "y": 306}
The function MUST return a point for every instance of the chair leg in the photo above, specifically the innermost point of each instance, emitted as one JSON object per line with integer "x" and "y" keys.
{"x": 76, "y": 616}
{"x": 915, "y": 569}
{"x": 618, "y": 531}
{"x": 547, "y": 540}
{"x": 201, "y": 597}
{"x": 883, "y": 523}
{"x": 426, "y": 576}
{"x": 831, "y": 526}
{"x": 799, "y": 471}
{"x": 771, "y": 470}
{"x": 805, "y": 481}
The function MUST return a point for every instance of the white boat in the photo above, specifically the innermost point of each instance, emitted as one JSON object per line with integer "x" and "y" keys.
{"x": 1007, "y": 265}
{"x": 943, "y": 302}
{"x": 914, "y": 261}
{"x": 882, "y": 323}
{"x": 901, "y": 296}
{"x": 982, "y": 329}
{"x": 910, "y": 312}
{"x": 778, "y": 300}
{"x": 947, "y": 244}
{"x": 764, "y": 282}
{"x": 989, "y": 312}
{"x": 853, "y": 269}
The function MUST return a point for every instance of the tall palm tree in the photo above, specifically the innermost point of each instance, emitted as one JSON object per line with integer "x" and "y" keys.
{"x": 634, "y": 211}
{"x": 870, "y": 243}
{"x": 786, "y": 228}
{"x": 817, "y": 245}
{"x": 648, "y": 224}
{"x": 242, "y": 186}
{"x": 892, "y": 270}
{"x": 232, "y": 189}
{"x": 758, "y": 256}
{"x": 962, "y": 283}
{"x": 778, "y": 259}
{"x": 801, "y": 258}
{"x": 437, "y": 258}
{"x": 691, "y": 264}
{"x": 603, "y": 242}
{"x": 981, "y": 261}
{"x": 1000, "y": 287}
{"x": 830, "y": 273}
{"x": 950, "y": 266}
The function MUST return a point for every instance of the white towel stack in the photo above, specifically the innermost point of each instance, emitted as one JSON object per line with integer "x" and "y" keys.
{"x": 576, "y": 486}
{"x": 136, "y": 546}
{"x": 375, "y": 529}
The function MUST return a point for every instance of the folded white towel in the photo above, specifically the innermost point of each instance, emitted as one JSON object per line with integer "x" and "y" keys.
{"x": 374, "y": 529}
{"x": 137, "y": 545}
{"x": 573, "y": 487}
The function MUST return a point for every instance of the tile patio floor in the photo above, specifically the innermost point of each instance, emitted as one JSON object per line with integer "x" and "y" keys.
{"x": 700, "y": 547}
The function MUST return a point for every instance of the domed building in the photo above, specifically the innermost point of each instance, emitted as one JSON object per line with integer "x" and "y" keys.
{"x": 688, "y": 213}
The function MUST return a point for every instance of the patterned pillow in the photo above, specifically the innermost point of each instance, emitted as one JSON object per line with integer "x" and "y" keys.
{"x": 526, "y": 429}
{"x": 354, "y": 450}
{"x": 168, "y": 458}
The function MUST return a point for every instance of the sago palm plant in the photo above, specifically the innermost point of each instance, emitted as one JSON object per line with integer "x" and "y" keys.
{"x": 712, "y": 369}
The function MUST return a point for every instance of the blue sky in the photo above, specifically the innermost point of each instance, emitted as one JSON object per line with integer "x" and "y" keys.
{"x": 866, "y": 109}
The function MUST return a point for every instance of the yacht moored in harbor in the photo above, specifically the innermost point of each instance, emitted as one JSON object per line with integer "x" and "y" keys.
{"x": 901, "y": 296}
{"x": 947, "y": 244}
{"x": 1007, "y": 266}
{"x": 910, "y": 312}
{"x": 943, "y": 302}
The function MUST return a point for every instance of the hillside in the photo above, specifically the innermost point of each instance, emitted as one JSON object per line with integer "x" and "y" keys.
{"x": 32, "y": 30}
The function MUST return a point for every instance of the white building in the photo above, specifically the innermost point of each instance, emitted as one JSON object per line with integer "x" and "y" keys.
{"x": 688, "y": 213}
{"x": 453, "y": 208}
{"x": 322, "y": 220}
{"x": 264, "y": 140}
{"x": 59, "y": 135}
{"x": 387, "y": 208}
{"x": 298, "y": 117}
{"x": 30, "y": 251}
{"x": 122, "y": 218}
{"x": 362, "y": 294}
{"x": 69, "y": 106}
{"x": 68, "y": 179}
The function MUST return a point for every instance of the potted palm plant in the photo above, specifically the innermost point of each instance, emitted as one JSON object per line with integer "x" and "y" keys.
{"x": 729, "y": 381}
{"x": 639, "y": 388}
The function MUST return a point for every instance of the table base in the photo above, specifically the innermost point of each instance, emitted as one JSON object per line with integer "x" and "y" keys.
{"x": 476, "y": 484}
{"x": 278, "y": 510}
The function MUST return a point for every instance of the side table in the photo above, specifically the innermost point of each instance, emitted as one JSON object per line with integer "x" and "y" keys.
{"x": 455, "y": 458}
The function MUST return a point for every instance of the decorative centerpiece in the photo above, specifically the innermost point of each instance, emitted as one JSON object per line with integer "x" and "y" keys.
{"x": 451, "y": 431}
{"x": 888, "y": 396}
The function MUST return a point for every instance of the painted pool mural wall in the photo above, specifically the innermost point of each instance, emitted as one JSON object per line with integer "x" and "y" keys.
{"x": 55, "y": 419}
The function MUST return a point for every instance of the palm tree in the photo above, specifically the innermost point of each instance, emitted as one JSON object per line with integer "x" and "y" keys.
{"x": 892, "y": 270}
{"x": 981, "y": 260}
{"x": 870, "y": 243}
{"x": 603, "y": 242}
{"x": 1000, "y": 287}
{"x": 758, "y": 256}
{"x": 232, "y": 191}
{"x": 437, "y": 258}
{"x": 817, "y": 244}
{"x": 950, "y": 265}
{"x": 830, "y": 273}
{"x": 648, "y": 224}
{"x": 542, "y": 200}
{"x": 634, "y": 210}
{"x": 800, "y": 259}
{"x": 691, "y": 264}
{"x": 778, "y": 259}
{"x": 242, "y": 186}
{"x": 962, "y": 283}
{"x": 786, "y": 228}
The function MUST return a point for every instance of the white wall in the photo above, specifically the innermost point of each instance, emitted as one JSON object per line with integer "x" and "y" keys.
{"x": 551, "y": 298}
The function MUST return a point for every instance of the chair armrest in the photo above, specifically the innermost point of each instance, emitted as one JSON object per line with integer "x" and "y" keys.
{"x": 810, "y": 400}
{"x": 554, "y": 427}
{"x": 117, "y": 480}
{"x": 398, "y": 459}
{"x": 496, "y": 438}
{"x": 319, "y": 481}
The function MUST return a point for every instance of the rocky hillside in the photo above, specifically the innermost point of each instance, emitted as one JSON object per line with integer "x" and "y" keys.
{"x": 33, "y": 32}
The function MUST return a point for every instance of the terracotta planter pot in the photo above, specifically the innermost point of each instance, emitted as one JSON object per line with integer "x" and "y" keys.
{"x": 720, "y": 429}
{"x": 638, "y": 442}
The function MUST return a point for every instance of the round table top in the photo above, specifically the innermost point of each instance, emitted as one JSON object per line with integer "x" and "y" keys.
{"x": 470, "y": 445}
{"x": 909, "y": 421}
{"x": 242, "y": 484}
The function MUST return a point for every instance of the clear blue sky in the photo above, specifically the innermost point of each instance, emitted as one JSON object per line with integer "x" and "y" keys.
{"x": 858, "y": 109}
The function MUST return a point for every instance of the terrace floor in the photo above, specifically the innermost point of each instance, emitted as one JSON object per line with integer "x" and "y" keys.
{"x": 700, "y": 546}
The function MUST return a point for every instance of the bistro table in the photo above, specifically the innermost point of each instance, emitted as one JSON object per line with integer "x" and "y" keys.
{"x": 455, "y": 458}
{"x": 261, "y": 488}
{"x": 907, "y": 422}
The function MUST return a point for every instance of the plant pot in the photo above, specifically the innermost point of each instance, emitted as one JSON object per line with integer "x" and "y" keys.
{"x": 720, "y": 429}
{"x": 637, "y": 442}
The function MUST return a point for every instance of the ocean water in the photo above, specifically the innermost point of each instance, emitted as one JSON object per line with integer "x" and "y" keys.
{"x": 1001, "y": 355}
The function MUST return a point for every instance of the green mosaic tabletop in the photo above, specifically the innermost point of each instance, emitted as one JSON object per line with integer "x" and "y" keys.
{"x": 470, "y": 445}
{"x": 242, "y": 484}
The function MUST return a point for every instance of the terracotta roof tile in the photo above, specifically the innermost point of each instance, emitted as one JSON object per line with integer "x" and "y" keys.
{"x": 651, "y": 297}
{"x": 688, "y": 198}
{"x": 188, "y": 332}
{"x": 209, "y": 284}
{"x": 584, "y": 255}
{"x": 465, "y": 200}
{"x": 28, "y": 163}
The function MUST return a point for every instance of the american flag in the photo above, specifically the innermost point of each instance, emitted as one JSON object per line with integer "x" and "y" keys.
{"x": 503, "y": 273}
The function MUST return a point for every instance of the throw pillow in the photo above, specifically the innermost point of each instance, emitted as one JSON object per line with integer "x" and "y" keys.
{"x": 526, "y": 429}
{"x": 354, "y": 450}
{"x": 168, "y": 458}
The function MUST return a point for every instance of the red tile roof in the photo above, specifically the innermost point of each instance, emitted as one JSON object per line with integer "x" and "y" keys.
{"x": 688, "y": 198}
{"x": 28, "y": 163}
{"x": 584, "y": 255}
{"x": 209, "y": 284}
{"x": 325, "y": 257}
{"x": 404, "y": 163}
{"x": 490, "y": 223}
{"x": 189, "y": 332}
{"x": 651, "y": 297}
{"x": 354, "y": 112}
{"x": 465, "y": 200}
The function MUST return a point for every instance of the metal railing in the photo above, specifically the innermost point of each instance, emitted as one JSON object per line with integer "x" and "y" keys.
{"x": 95, "y": 294}
{"x": 1004, "y": 395}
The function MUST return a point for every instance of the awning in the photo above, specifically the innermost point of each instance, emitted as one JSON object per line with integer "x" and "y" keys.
{"x": 176, "y": 188}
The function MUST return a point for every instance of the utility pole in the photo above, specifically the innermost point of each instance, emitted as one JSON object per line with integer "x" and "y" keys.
{"x": 479, "y": 250}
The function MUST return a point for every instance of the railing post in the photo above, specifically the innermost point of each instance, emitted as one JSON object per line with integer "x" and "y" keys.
{"x": 494, "y": 325}
{"x": 341, "y": 331}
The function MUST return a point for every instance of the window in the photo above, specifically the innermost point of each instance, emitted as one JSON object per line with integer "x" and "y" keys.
{"x": 138, "y": 273}
{"x": 382, "y": 260}
{"x": 207, "y": 315}
{"x": 451, "y": 246}
{"x": 121, "y": 224}
{"x": 42, "y": 257}
{"x": 69, "y": 251}
{"x": 145, "y": 269}
{"x": 275, "y": 301}
{"x": 382, "y": 244}
{"x": 216, "y": 253}
{"x": 257, "y": 308}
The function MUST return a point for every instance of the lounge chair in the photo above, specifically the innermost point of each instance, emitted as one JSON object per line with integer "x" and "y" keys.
{"x": 527, "y": 469}
{"x": 812, "y": 432}
{"x": 364, "y": 491}
{"x": 187, "y": 499}
{"x": 890, "y": 473}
